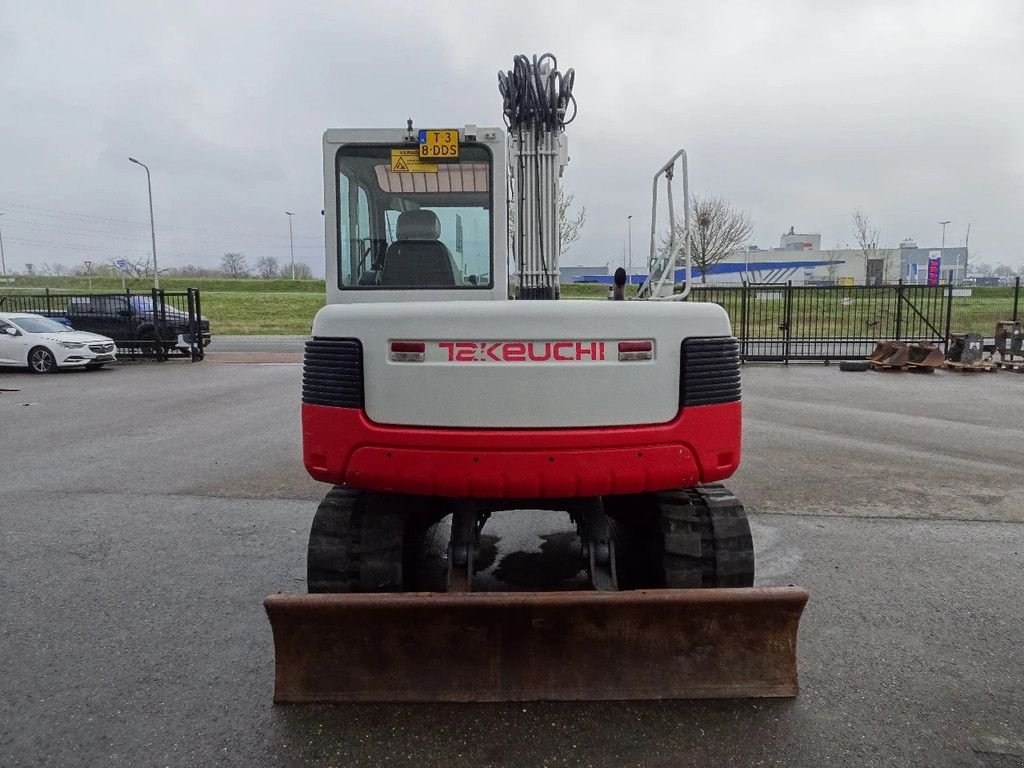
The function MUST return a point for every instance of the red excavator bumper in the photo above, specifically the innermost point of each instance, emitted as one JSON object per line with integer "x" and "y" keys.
{"x": 342, "y": 446}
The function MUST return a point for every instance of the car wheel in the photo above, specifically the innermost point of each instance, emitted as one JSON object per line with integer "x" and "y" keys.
{"x": 41, "y": 360}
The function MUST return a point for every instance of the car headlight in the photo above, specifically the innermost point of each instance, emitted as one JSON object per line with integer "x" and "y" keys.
{"x": 71, "y": 344}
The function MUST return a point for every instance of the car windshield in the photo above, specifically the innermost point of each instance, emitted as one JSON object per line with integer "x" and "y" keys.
{"x": 38, "y": 324}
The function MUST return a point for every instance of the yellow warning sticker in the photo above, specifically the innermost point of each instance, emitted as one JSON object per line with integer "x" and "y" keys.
{"x": 408, "y": 161}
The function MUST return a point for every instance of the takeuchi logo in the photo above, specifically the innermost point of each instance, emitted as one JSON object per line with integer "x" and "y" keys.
{"x": 523, "y": 351}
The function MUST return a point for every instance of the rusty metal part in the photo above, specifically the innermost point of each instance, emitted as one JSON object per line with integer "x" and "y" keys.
{"x": 890, "y": 354}
{"x": 925, "y": 354}
{"x": 882, "y": 350}
{"x": 658, "y": 644}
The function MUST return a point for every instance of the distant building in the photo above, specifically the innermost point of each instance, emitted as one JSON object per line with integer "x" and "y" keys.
{"x": 573, "y": 274}
{"x": 914, "y": 263}
{"x": 800, "y": 259}
{"x": 792, "y": 241}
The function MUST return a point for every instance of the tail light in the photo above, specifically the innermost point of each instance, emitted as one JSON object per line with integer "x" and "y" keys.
{"x": 408, "y": 351}
{"x": 636, "y": 350}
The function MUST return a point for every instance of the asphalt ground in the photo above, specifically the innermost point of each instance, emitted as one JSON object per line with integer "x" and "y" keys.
{"x": 146, "y": 510}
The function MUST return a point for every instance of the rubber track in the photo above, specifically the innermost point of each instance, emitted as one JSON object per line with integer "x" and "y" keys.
{"x": 707, "y": 541}
{"x": 355, "y": 544}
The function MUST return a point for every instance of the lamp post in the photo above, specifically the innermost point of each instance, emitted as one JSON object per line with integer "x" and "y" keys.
{"x": 152, "y": 227}
{"x": 629, "y": 258}
{"x": 291, "y": 241}
{"x": 3, "y": 261}
{"x": 942, "y": 248}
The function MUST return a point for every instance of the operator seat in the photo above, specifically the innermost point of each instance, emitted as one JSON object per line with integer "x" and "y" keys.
{"x": 417, "y": 259}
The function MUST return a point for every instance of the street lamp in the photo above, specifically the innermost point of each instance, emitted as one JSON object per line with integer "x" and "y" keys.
{"x": 629, "y": 267}
{"x": 152, "y": 227}
{"x": 944, "y": 223}
{"x": 291, "y": 241}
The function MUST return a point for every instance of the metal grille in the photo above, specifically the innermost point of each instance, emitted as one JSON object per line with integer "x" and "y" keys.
{"x": 332, "y": 373}
{"x": 782, "y": 322}
{"x": 710, "y": 371}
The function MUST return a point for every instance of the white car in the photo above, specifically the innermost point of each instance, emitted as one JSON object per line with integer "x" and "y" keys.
{"x": 44, "y": 345}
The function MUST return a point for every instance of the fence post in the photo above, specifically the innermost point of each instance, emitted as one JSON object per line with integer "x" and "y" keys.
{"x": 899, "y": 310}
{"x": 1016, "y": 298}
{"x": 788, "y": 320}
{"x": 49, "y": 309}
{"x": 743, "y": 320}
{"x": 949, "y": 314}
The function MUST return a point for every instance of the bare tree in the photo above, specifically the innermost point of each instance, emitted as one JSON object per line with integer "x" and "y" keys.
{"x": 133, "y": 268}
{"x": 52, "y": 270}
{"x": 302, "y": 271}
{"x": 716, "y": 230}
{"x": 234, "y": 265}
{"x": 867, "y": 236}
{"x": 570, "y": 226}
{"x": 266, "y": 267}
{"x": 833, "y": 259}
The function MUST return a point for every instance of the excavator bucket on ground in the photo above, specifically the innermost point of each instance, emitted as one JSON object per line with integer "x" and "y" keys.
{"x": 889, "y": 354}
{"x": 924, "y": 354}
{"x": 658, "y": 644}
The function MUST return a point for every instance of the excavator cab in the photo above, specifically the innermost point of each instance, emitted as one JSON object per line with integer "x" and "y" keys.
{"x": 408, "y": 229}
{"x": 429, "y": 395}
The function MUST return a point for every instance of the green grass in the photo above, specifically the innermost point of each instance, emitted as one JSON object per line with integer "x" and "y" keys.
{"x": 234, "y": 312}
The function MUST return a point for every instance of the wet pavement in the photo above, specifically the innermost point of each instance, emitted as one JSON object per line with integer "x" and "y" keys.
{"x": 146, "y": 510}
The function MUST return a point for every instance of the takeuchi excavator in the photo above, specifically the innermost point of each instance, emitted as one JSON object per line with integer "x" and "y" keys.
{"x": 435, "y": 389}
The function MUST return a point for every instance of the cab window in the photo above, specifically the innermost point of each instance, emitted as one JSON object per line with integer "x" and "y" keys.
{"x": 415, "y": 229}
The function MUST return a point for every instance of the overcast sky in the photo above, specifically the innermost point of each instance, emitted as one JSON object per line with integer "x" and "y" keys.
{"x": 797, "y": 112}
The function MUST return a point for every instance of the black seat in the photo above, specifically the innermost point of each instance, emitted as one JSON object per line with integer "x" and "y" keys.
{"x": 417, "y": 259}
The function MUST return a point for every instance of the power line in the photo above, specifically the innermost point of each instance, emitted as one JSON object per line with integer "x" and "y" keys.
{"x": 31, "y": 210}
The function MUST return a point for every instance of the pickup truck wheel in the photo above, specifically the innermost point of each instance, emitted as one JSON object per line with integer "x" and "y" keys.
{"x": 41, "y": 360}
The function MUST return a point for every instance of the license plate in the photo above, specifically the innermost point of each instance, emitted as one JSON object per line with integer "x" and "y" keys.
{"x": 439, "y": 145}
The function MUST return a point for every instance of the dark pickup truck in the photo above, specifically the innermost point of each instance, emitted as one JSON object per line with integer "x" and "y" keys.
{"x": 130, "y": 321}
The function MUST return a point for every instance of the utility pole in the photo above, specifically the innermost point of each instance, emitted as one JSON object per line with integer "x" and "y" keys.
{"x": 291, "y": 241}
{"x": 152, "y": 227}
{"x": 629, "y": 263}
{"x": 3, "y": 261}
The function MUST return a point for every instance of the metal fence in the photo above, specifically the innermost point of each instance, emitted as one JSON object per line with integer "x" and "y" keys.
{"x": 783, "y": 322}
{"x": 158, "y": 324}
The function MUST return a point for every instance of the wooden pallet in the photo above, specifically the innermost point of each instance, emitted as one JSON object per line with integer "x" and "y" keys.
{"x": 880, "y": 367}
{"x": 1012, "y": 365}
{"x": 986, "y": 366}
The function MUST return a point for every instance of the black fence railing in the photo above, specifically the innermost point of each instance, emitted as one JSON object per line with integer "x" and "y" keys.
{"x": 783, "y": 322}
{"x": 158, "y": 324}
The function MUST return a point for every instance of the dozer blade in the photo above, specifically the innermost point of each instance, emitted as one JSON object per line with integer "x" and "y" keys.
{"x": 659, "y": 644}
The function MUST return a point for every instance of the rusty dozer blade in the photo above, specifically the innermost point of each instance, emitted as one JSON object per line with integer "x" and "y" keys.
{"x": 514, "y": 646}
